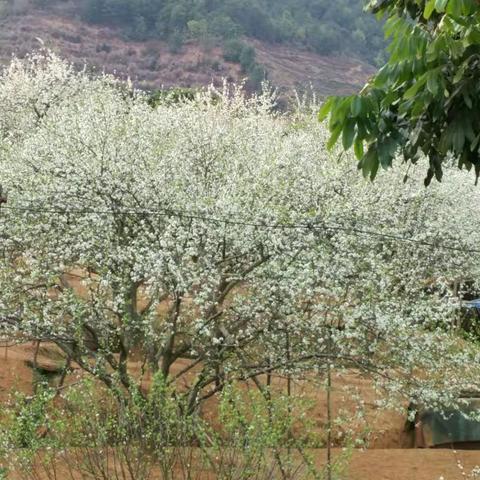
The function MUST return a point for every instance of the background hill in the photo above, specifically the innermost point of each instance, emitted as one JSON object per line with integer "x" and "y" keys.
{"x": 332, "y": 46}
{"x": 322, "y": 26}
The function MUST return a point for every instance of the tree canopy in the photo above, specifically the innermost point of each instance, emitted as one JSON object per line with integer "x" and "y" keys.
{"x": 424, "y": 102}
{"x": 214, "y": 232}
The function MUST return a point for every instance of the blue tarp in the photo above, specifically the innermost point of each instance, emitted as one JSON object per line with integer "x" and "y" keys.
{"x": 473, "y": 303}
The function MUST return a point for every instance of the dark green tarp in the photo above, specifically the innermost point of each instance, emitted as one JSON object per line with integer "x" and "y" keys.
{"x": 451, "y": 428}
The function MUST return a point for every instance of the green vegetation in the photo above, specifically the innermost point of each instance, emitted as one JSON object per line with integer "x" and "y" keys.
{"x": 321, "y": 25}
{"x": 240, "y": 52}
{"x": 172, "y": 96}
{"x": 424, "y": 102}
{"x": 93, "y": 435}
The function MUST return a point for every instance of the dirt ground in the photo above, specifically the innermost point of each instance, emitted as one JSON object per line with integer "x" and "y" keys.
{"x": 380, "y": 428}
{"x": 378, "y": 464}
{"x": 411, "y": 464}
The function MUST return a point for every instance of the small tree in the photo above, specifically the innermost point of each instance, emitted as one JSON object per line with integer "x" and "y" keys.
{"x": 247, "y": 58}
{"x": 200, "y": 31}
{"x": 233, "y": 49}
{"x": 139, "y": 29}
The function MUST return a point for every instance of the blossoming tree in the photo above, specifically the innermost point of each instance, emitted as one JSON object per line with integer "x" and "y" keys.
{"x": 216, "y": 240}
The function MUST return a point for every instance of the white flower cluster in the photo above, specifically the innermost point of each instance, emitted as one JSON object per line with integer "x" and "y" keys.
{"x": 219, "y": 233}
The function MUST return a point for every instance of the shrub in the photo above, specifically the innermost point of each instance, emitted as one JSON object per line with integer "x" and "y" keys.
{"x": 257, "y": 74}
{"x": 232, "y": 50}
{"x": 90, "y": 433}
{"x": 175, "y": 42}
{"x": 247, "y": 58}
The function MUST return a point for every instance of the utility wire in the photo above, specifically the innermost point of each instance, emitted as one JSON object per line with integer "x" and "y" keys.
{"x": 183, "y": 214}
{"x": 158, "y": 213}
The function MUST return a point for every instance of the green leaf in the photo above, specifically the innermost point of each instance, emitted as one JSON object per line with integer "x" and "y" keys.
{"x": 358, "y": 148}
{"x": 418, "y": 109}
{"x": 373, "y": 171}
{"x": 458, "y": 140}
{"x": 335, "y": 133}
{"x": 339, "y": 111}
{"x": 454, "y": 8}
{"x": 429, "y": 177}
{"x": 382, "y": 76}
{"x": 413, "y": 90}
{"x": 325, "y": 109}
{"x": 432, "y": 83}
{"x": 468, "y": 100}
{"x": 445, "y": 142}
{"x": 392, "y": 25}
{"x": 440, "y": 5}
{"x": 369, "y": 163}
{"x": 429, "y": 8}
{"x": 464, "y": 161}
{"x": 475, "y": 142}
{"x": 386, "y": 151}
{"x": 468, "y": 128}
{"x": 348, "y": 133}
{"x": 356, "y": 107}
{"x": 474, "y": 36}
{"x": 416, "y": 132}
{"x": 362, "y": 131}
{"x": 459, "y": 74}
{"x": 435, "y": 168}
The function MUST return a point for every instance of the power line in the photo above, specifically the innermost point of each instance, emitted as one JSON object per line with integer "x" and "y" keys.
{"x": 184, "y": 214}
{"x": 159, "y": 213}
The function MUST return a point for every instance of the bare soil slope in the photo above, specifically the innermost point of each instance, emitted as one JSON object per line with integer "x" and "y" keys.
{"x": 290, "y": 68}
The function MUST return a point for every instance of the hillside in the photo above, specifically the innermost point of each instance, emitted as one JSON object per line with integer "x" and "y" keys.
{"x": 152, "y": 63}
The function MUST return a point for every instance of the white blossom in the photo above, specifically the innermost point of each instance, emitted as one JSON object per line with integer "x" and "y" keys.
{"x": 216, "y": 231}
